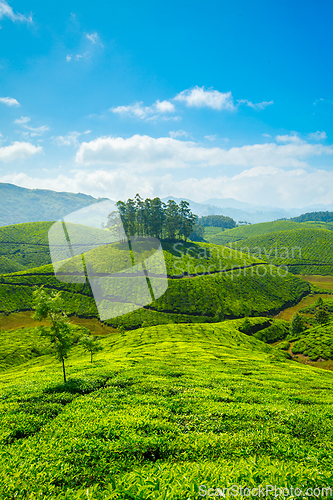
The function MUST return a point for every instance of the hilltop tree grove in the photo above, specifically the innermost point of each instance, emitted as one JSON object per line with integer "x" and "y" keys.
{"x": 152, "y": 217}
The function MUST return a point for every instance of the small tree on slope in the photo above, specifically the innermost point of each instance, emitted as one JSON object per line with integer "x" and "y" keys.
{"x": 91, "y": 344}
{"x": 50, "y": 307}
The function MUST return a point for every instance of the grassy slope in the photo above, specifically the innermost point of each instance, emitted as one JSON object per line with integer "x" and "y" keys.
{"x": 24, "y": 246}
{"x": 312, "y": 250}
{"x": 252, "y": 230}
{"x": 162, "y": 411}
{"x": 202, "y": 298}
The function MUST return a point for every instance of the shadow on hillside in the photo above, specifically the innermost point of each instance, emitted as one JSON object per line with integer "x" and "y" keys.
{"x": 78, "y": 386}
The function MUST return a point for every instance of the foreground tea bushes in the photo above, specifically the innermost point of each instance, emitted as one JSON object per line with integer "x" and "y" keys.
{"x": 162, "y": 411}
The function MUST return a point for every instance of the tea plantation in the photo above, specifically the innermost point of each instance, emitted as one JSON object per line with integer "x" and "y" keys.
{"x": 163, "y": 413}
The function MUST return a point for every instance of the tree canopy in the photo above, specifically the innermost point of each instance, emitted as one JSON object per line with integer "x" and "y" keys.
{"x": 152, "y": 217}
{"x": 217, "y": 221}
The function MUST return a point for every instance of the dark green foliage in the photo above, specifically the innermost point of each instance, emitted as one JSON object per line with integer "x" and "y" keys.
{"x": 217, "y": 221}
{"x": 297, "y": 324}
{"x": 198, "y": 233}
{"x": 277, "y": 331}
{"x": 321, "y": 316}
{"x": 155, "y": 218}
{"x": 314, "y": 216}
{"x": 246, "y": 326}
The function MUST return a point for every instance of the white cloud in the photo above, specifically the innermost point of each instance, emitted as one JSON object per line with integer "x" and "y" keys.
{"x": 257, "y": 105}
{"x": 138, "y": 110}
{"x": 211, "y": 137}
{"x": 164, "y": 106}
{"x": 68, "y": 58}
{"x": 317, "y": 136}
{"x": 258, "y": 185}
{"x": 199, "y": 97}
{"x": 289, "y": 138}
{"x": 266, "y": 135}
{"x": 7, "y": 11}
{"x": 178, "y": 133}
{"x": 33, "y": 131}
{"x": 9, "y": 101}
{"x": 94, "y": 38}
{"x": 70, "y": 139}
{"x": 19, "y": 151}
{"x": 146, "y": 153}
{"x": 22, "y": 120}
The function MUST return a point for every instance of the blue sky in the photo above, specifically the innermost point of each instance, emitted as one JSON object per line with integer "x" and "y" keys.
{"x": 215, "y": 100}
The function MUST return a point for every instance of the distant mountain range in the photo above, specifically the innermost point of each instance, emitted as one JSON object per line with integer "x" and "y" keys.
{"x": 242, "y": 211}
{"x": 19, "y": 204}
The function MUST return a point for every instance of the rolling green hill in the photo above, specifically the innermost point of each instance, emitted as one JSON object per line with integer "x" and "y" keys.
{"x": 18, "y": 205}
{"x": 24, "y": 246}
{"x": 234, "y": 293}
{"x": 304, "y": 251}
{"x": 161, "y": 413}
{"x": 249, "y": 231}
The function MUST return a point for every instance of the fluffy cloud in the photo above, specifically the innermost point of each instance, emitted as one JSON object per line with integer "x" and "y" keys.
{"x": 19, "y": 151}
{"x": 9, "y": 101}
{"x": 138, "y": 110}
{"x": 147, "y": 153}
{"x": 258, "y": 185}
{"x": 7, "y": 11}
{"x": 199, "y": 97}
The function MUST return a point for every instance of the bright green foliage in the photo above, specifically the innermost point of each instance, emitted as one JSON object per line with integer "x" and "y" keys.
{"x": 166, "y": 410}
{"x": 237, "y": 286}
{"x": 24, "y": 246}
{"x": 284, "y": 345}
{"x": 316, "y": 342}
{"x": 91, "y": 344}
{"x": 304, "y": 251}
{"x": 51, "y": 307}
{"x": 297, "y": 324}
{"x": 250, "y": 231}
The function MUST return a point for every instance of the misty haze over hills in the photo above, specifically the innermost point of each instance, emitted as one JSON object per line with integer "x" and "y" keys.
{"x": 242, "y": 211}
{"x": 19, "y": 205}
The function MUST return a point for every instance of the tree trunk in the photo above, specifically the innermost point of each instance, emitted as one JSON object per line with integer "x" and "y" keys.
{"x": 91, "y": 356}
{"x": 63, "y": 369}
